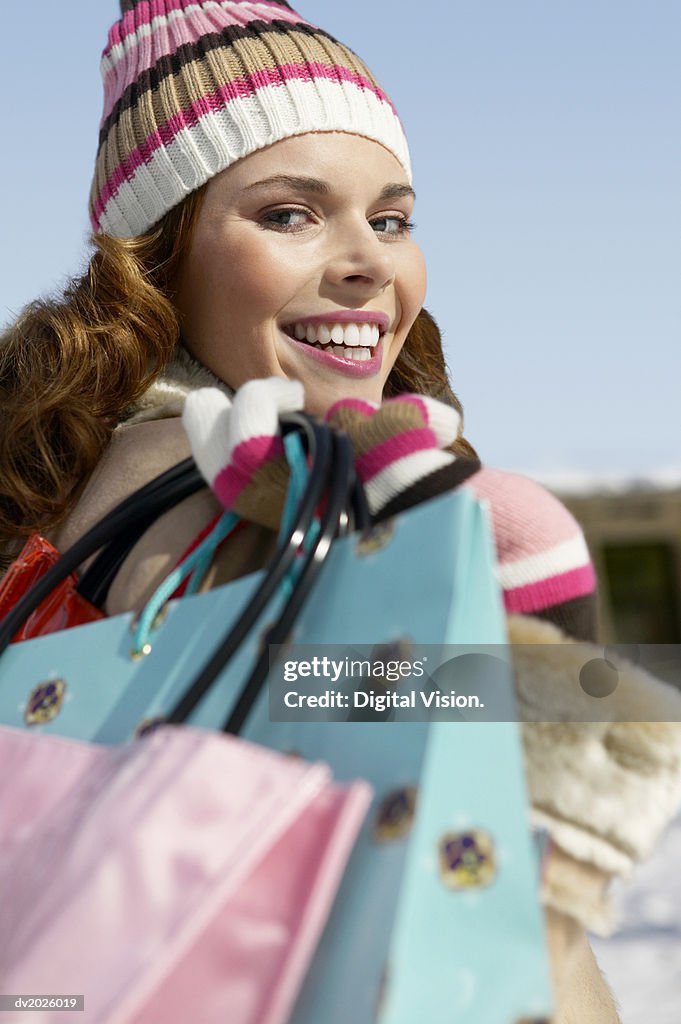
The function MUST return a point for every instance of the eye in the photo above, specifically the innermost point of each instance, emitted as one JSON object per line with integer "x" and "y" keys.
{"x": 393, "y": 226}
{"x": 287, "y": 218}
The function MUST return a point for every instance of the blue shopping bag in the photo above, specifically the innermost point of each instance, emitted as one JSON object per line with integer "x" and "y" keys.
{"x": 438, "y": 913}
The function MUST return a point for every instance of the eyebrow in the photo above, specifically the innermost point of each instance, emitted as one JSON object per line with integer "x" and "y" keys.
{"x": 303, "y": 184}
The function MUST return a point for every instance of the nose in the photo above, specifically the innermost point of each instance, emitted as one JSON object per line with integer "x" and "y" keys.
{"x": 360, "y": 260}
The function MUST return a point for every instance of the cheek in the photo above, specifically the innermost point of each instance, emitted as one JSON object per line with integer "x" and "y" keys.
{"x": 416, "y": 281}
{"x": 412, "y": 295}
{"x": 411, "y": 291}
{"x": 239, "y": 274}
{"x": 254, "y": 283}
{"x": 227, "y": 274}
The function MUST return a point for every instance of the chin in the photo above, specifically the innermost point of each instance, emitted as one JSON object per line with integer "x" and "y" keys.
{"x": 318, "y": 401}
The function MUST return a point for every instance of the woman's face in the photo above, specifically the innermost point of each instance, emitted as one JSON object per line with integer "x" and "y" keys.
{"x": 302, "y": 265}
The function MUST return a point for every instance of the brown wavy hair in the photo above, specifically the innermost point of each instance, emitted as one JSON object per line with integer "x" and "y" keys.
{"x": 71, "y": 369}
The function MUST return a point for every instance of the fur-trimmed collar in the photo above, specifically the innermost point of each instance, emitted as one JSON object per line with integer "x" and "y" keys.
{"x": 165, "y": 398}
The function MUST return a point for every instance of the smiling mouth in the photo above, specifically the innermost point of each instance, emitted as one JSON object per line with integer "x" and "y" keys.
{"x": 356, "y": 342}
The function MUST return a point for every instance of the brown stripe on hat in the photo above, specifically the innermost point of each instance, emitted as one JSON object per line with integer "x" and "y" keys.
{"x": 190, "y": 75}
{"x": 188, "y": 53}
{"x": 234, "y": 83}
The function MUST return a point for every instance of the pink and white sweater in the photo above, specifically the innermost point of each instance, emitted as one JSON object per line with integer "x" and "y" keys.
{"x": 543, "y": 563}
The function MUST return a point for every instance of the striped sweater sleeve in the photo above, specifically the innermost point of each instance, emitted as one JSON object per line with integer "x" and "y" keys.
{"x": 543, "y": 563}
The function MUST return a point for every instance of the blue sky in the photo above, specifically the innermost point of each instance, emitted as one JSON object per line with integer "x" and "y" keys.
{"x": 547, "y": 154}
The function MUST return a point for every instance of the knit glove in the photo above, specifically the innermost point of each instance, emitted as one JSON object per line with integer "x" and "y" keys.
{"x": 238, "y": 448}
{"x": 601, "y": 782}
{"x": 398, "y": 449}
{"x": 397, "y": 446}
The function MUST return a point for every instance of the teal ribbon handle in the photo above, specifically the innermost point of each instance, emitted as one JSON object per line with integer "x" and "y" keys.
{"x": 196, "y": 564}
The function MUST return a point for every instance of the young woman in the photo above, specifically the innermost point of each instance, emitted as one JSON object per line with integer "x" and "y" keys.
{"x": 251, "y": 212}
{"x": 211, "y": 249}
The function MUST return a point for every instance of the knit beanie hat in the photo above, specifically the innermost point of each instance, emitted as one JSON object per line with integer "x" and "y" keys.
{"x": 192, "y": 86}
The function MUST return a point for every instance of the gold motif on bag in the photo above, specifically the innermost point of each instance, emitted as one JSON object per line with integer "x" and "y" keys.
{"x": 45, "y": 702}
{"x": 467, "y": 859}
{"x": 395, "y": 815}
{"x": 375, "y": 538}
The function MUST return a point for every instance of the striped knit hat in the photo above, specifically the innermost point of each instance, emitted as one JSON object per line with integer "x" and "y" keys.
{"x": 191, "y": 86}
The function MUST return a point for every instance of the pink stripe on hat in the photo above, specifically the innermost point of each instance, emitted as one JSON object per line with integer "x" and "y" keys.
{"x": 146, "y": 11}
{"x": 119, "y": 71}
{"x": 219, "y": 100}
{"x": 169, "y": 89}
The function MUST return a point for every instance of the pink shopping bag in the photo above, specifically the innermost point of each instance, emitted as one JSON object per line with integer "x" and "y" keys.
{"x": 183, "y": 877}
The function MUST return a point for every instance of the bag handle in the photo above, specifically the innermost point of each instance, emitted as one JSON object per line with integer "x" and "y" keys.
{"x": 189, "y": 573}
{"x": 343, "y": 483}
{"x": 156, "y": 497}
{"x": 320, "y": 446}
{"x": 136, "y": 511}
{"x": 346, "y": 508}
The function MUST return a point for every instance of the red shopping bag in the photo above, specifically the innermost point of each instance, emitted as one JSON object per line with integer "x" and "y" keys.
{"x": 62, "y": 609}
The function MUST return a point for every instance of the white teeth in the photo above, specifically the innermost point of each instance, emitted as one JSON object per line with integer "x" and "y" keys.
{"x": 349, "y": 336}
{"x": 352, "y": 335}
{"x": 366, "y": 335}
{"x": 359, "y": 354}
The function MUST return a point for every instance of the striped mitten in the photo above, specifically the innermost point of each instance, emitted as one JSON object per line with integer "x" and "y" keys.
{"x": 398, "y": 449}
{"x": 397, "y": 445}
{"x": 238, "y": 447}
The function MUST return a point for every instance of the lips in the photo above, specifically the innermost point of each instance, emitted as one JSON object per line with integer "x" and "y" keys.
{"x": 348, "y": 340}
{"x": 350, "y": 362}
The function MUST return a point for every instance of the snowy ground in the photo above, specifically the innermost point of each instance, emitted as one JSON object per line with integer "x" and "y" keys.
{"x": 642, "y": 960}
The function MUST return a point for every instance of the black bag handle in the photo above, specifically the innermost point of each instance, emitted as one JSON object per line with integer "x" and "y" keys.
{"x": 127, "y": 522}
{"x": 142, "y": 507}
{"x": 321, "y": 447}
{"x": 96, "y": 581}
{"x": 347, "y": 507}
{"x": 158, "y": 496}
{"x": 343, "y": 483}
